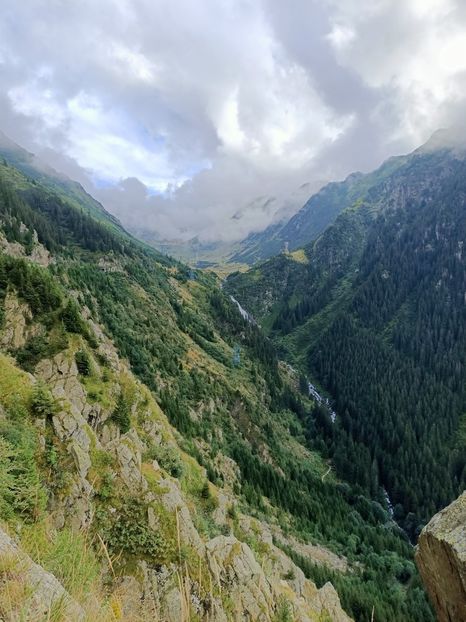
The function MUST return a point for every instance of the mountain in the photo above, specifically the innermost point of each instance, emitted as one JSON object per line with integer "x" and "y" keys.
{"x": 313, "y": 218}
{"x": 157, "y": 459}
{"x": 224, "y": 256}
{"x": 36, "y": 171}
{"x": 374, "y": 312}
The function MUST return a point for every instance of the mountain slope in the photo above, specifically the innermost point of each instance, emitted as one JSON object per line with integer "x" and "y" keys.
{"x": 37, "y": 172}
{"x": 315, "y": 216}
{"x": 375, "y": 314}
{"x": 127, "y": 385}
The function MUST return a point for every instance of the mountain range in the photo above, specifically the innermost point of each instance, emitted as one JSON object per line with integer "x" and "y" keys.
{"x": 161, "y": 457}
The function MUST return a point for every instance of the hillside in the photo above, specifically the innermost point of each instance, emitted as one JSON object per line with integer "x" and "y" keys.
{"x": 314, "y": 217}
{"x": 374, "y": 313}
{"x": 36, "y": 171}
{"x": 156, "y": 456}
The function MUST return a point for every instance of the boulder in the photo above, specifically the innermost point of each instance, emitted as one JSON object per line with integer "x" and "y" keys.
{"x": 441, "y": 559}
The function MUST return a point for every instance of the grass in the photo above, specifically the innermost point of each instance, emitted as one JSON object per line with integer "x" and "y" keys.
{"x": 67, "y": 554}
{"x": 15, "y": 385}
{"x": 14, "y": 590}
{"x": 72, "y": 559}
{"x": 299, "y": 256}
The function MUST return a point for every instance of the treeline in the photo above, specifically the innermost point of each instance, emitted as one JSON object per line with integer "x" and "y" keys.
{"x": 56, "y": 222}
{"x": 336, "y": 513}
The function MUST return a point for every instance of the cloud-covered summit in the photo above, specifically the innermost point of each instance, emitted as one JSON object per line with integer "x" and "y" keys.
{"x": 180, "y": 116}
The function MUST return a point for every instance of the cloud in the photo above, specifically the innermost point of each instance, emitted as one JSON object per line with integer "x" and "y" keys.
{"x": 204, "y": 118}
{"x": 414, "y": 53}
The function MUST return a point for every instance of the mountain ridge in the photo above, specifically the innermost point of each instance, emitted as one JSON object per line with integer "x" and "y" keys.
{"x": 352, "y": 306}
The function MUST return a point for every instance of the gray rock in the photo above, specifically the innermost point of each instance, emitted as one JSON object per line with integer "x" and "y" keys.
{"x": 61, "y": 374}
{"x": 174, "y": 502}
{"x": 44, "y": 590}
{"x": 81, "y": 458}
{"x": 441, "y": 558}
{"x": 16, "y": 323}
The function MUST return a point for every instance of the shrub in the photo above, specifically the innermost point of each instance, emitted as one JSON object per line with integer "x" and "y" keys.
{"x": 128, "y": 532}
{"x": 205, "y": 490}
{"x": 71, "y": 318}
{"x": 121, "y": 414}
{"x": 42, "y": 402}
{"x": 21, "y": 490}
{"x": 39, "y": 347}
{"x": 83, "y": 362}
{"x": 167, "y": 457}
{"x": 284, "y": 612}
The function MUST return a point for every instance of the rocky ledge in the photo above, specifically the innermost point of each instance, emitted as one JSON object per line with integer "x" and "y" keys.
{"x": 441, "y": 558}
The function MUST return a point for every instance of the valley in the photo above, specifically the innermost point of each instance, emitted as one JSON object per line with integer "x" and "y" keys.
{"x": 376, "y": 316}
{"x": 187, "y": 478}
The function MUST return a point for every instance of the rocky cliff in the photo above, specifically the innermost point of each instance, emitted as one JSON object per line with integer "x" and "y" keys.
{"x": 155, "y": 457}
{"x": 165, "y": 547}
{"x": 441, "y": 558}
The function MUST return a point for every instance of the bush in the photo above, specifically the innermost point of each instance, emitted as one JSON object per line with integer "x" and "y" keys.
{"x": 39, "y": 347}
{"x": 42, "y": 402}
{"x": 128, "y": 531}
{"x": 284, "y": 611}
{"x": 205, "y": 490}
{"x": 21, "y": 490}
{"x": 83, "y": 362}
{"x": 121, "y": 414}
{"x": 71, "y": 318}
{"x": 167, "y": 457}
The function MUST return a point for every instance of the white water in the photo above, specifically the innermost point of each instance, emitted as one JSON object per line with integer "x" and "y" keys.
{"x": 388, "y": 502}
{"x": 321, "y": 400}
{"x": 316, "y": 395}
{"x": 244, "y": 314}
{"x": 311, "y": 388}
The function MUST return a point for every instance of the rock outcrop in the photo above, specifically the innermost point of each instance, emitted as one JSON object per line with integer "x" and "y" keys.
{"x": 204, "y": 557}
{"x": 38, "y": 253}
{"x": 42, "y": 595}
{"x": 17, "y": 318}
{"x": 441, "y": 558}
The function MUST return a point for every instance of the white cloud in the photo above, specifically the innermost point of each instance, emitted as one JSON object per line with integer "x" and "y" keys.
{"x": 412, "y": 50}
{"x": 217, "y": 103}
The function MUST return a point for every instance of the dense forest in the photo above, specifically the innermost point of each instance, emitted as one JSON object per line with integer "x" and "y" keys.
{"x": 376, "y": 316}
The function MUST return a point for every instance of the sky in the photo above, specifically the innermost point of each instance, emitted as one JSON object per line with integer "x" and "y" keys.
{"x": 213, "y": 118}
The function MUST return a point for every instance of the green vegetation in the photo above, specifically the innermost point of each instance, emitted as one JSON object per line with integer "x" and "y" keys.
{"x": 377, "y": 318}
{"x": 121, "y": 414}
{"x": 127, "y": 532}
{"x": 318, "y": 213}
{"x": 83, "y": 362}
{"x": 167, "y": 457}
{"x": 179, "y": 336}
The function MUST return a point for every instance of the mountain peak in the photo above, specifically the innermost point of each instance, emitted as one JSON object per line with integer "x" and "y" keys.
{"x": 445, "y": 138}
